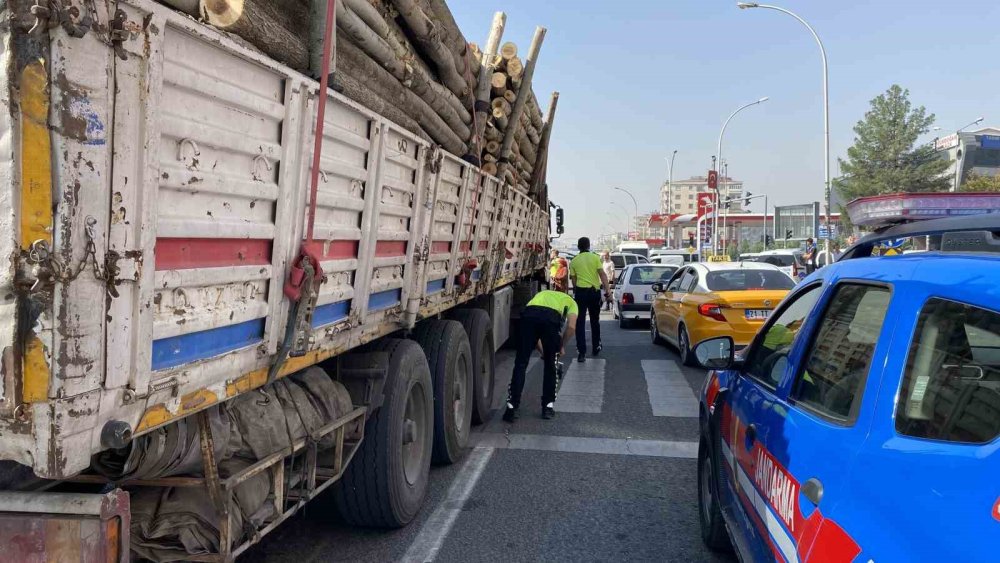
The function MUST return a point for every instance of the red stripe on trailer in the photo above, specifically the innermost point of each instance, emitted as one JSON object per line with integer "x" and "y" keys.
{"x": 441, "y": 247}
{"x": 466, "y": 245}
{"x": 484, "y": 244}
{"x": 333, "y": 250}
{"x": 189, "y": 253}
{"x": 388, "y": 248}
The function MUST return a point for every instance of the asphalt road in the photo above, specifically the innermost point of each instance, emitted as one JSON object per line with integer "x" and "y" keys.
{"x": 611, "y": 478}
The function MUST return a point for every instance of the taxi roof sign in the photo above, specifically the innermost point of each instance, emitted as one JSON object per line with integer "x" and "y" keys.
{"x": 882, "y": 211}
{"x": 719, "y": 258}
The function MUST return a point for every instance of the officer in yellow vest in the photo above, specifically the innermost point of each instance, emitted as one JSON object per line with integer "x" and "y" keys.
{"x": 541, "y": 320}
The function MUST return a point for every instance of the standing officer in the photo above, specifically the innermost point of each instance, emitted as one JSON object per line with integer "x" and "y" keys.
{"x": 588, "y": 277}
{"x": 541, "y": 320}
{"x": 810, "y": 256}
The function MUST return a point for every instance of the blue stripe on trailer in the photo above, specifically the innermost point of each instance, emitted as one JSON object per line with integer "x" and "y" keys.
{"x": 384, "y": 299}
{"x": 476, "y": 274}
{"x": 185, "y": 348}
{"x": 435, "y": 286}
{"x": 331, "y": 313}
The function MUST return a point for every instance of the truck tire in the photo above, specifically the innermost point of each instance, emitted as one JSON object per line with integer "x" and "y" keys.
{"x": 479, "y": 329}
{"x": 385, "y": 484}
{"x": 449, "y": 358}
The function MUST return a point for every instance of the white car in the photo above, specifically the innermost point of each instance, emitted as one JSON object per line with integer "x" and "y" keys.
{"x": 623, "y": 259}
{"x": 789, "y": 261}
{"x": 633, "y": 295}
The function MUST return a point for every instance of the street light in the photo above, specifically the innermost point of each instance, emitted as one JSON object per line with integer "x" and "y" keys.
{"x": 617, "y": 217}
{"x": 670, "y": 195}
{"x": 715, "y": 214}
{"x": 826, "y": 107}
{"x": 976, "y": 122}
{"x": 628, "y": 193}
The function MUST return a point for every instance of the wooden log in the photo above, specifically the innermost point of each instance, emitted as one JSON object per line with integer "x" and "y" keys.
{"x": 355, "y": 62}
{"x": 498, "y": 83}
{"x": 429, "y": 40}
{"x": 508, "y": 51}
{"x": 264, "y": 25}
{"x": 500, "y": 121}
{"x": 515, "y": 68}
{"x": 490, "y": 157}
{"x": 510, "y": 96}
{"x": 316, "y": 38}
{"x": 483, "y": 87}
{"x": 452, "y": 35}
{"x": 522, "y": 95}
{"x": 384, "y": 50}
{"x": 493, "y": 147}
{"x": 491, "y": 133}
{"x": 500, "y": 105}
{"x": 538, "y": 176}
{"x": 364, "y": 93}
{"x": 490, "y": 168}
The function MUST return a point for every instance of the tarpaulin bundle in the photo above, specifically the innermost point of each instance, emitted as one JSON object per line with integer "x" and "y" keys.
{"x": 173, "y": 523}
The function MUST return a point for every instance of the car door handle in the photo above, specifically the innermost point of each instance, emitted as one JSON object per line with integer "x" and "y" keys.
{"x": 813, "y": 490}
{"x": 751, "y": 433}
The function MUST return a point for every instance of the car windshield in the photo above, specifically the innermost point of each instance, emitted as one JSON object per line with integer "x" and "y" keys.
{"x": 648, "y": 275}
{"x": 781, "y": 260}
{"x": 618, "y": 260}
{"x": 742, "y": 280}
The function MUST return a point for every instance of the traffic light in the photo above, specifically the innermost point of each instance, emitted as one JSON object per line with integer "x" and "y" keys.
{"x": 768, "y": 241}
{"x": 691, "y": 241}
{"x": 747, "y": 202}
{"x": 560, "y": 229}
{"x": 788, "y": 234}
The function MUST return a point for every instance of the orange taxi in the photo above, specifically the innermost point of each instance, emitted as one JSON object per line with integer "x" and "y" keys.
{"x": 715, "y": 299}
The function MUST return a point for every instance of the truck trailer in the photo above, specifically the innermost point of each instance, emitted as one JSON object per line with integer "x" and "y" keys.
{"x": 181, "y": 322}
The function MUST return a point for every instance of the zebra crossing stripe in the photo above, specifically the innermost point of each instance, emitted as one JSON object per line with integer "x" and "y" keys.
{"x": 582, "y": 388}
{"x": 669, "y": 392}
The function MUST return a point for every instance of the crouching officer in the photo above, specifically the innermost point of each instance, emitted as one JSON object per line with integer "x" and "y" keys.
{"x": 541, "y": 320}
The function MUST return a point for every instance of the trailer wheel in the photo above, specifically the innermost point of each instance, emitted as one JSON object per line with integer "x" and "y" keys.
{"x": 450, "y": 361}
{"x": 385, "y": 484}
{"x": 479, "y": 328}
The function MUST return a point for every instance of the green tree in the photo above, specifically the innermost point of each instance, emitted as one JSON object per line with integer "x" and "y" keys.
{"x": 885, "y": 158}
{"x": 977, "y": 183}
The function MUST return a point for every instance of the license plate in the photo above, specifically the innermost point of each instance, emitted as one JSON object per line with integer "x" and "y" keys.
{"x": 647, "y": 297}
{"x": 758, "y": 314}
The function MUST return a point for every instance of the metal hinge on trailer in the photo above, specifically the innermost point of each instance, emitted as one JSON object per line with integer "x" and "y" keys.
{"x": 62, "y": 13}
{"x": 46, "y": 268}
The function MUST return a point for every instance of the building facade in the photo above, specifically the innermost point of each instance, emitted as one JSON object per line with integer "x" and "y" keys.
{"x": 681, "y": 196}
{"x": 970, "y": 153}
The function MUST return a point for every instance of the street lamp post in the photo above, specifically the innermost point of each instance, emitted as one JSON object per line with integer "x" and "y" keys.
{"x": 717, "y": 164}
{"x": 636, "y": 204}
{"x": 617, "y": 217}
{"x": 670, "y": 195}
{"x": 826, "y": 108}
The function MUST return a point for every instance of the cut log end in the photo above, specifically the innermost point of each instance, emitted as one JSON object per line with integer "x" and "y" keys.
{"x": 508, "y": 51}
{"x": 221, "y": 13}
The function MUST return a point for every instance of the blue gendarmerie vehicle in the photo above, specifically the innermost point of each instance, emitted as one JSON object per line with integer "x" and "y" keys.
{"x": 862, "y": 423}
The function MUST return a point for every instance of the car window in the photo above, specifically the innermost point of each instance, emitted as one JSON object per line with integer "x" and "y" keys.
{"x": 675, "y": 282}
{"x": 768, "y": 360}
{"x": 618, "y": 261}
{"x": 836, "y": 364}
{"x": 642, "y": 260}
{"x": 630, "y": 259}
{"x": 951, "y": 388}
{"x": 620, "y": 278}
{"x": 689, "y": 280}
{"x": 741, "y": 280}
{"x": 648, "y": 275}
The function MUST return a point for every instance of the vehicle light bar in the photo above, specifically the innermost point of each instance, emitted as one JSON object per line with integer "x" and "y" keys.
{"x": 882, "y": 211}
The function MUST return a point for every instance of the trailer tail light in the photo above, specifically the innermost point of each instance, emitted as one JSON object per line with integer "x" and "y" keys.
{"x": 628, "y": 299}
{"x": 712, "y": 311}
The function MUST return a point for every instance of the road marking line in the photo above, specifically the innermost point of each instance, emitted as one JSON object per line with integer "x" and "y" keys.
{"x": 669, "y": 392}
{"x": 582, "y": 388}
{"x": 432, "y": 535}
{"x": 572, "y": 444}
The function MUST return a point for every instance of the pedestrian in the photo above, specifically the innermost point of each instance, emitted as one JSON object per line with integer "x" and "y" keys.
{"x": 810, "y": 256}
{"x": 609, "y": 271}
{"x": 588, "y": 278}
{"x": 553, "y": 266}
{"x": 541, "y": 321}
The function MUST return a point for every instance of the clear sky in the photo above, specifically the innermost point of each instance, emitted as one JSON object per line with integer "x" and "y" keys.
{"x": 641, "y": 78}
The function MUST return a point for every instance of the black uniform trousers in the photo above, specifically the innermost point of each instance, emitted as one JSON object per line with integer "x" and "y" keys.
{"x": 588, "y": 300}
{"x": 537, "y": 323}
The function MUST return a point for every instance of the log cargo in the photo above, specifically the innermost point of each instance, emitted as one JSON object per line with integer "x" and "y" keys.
{"x": 409, "y": 61}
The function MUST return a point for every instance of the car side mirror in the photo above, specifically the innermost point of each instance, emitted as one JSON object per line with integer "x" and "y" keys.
{"x": 716, "y": 353}
{"x": 658, "y": 287}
